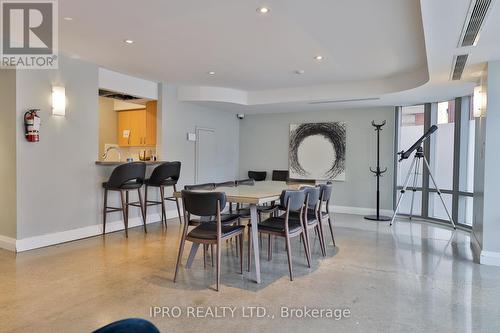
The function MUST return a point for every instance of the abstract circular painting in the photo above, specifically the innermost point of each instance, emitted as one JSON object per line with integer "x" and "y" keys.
{"x": 317, "y": 151}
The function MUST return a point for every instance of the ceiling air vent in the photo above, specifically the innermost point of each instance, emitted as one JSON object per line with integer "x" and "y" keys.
{"x": 115, "y": 95}
{"x": 346, "y": 100}
{"x": 459, "y": 66}
{"x": 476, "y": 17}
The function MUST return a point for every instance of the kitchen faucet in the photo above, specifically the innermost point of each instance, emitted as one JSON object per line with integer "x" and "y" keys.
{"x": 105, "y": 155}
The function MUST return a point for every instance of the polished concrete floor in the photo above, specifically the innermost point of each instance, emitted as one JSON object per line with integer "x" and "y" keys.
{"x": 411, "y": 277}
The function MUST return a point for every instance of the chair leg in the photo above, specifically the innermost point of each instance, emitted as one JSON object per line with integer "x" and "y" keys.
{"x": 306, "y": 249}
{"x": 146, "y": 201}
{"x": 331, "y": 229}
{"x": 269, "y": 247}
{"x": 127, "y": 201}
{"x": 124, "y": 211}
{"x": 218, "y": 264}
{"x": 143, "y": 212}
{"x": 322, "y": 234}
{"x": 249, "y": 258}
{"x": 212, "y": 254}
{"x": 163, "y": 212}
{"x": 178, "y": 207}
{"x": 321, "y": 245}
{"x": 179, "y": 256}
{"x": 305, "y": 238}
{"x": 240, "y": 237}
{"x": 289, "y": 255}
{"x": 105, "y": 211}
{"x": 205, "y": 256}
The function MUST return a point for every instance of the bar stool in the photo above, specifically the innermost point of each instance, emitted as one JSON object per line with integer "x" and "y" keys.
{"x": 125, "y": 178}
{"x": 164, "y": 175}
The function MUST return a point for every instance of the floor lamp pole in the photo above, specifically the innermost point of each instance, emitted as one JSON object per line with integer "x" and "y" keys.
{"x": 378, "y": 173}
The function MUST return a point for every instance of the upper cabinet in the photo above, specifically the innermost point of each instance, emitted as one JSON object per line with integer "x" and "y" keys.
{"x": 137, "y": 128}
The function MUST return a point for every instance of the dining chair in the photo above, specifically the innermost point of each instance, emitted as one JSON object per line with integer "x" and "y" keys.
{"x": 164, "y": 175}
{"x": 258, "y": 176}
{"x": 280, "y": 175}
{"x": 208, "y": 204}
{"x": 227, "y": 218}
{"x": 310, "y": 216}
{"x": 124, "y": 178}
{"x": 283, "y": 226}
{"x": 325, "y": 195}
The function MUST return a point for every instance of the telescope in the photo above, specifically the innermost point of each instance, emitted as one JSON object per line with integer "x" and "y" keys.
{"x": 405, "y": 154}
{"x": 415, "y": 169}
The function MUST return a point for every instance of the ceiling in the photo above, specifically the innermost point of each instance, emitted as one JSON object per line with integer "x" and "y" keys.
{"x": 391, "y": 52}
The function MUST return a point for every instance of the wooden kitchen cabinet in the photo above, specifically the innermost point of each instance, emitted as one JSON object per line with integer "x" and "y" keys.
{"x": 137, "y": 128}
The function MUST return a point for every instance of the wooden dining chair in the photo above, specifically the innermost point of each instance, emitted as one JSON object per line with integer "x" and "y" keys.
{"x": 214, "y": 232}
{"x": 283, "y": 226}
{"x": 324, "y": 214}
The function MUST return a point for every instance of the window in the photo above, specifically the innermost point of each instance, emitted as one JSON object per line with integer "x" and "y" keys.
{"x": 450, "y": 152}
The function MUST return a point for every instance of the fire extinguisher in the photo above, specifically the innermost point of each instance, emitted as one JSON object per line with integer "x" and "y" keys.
{"x": 32, "y": 125}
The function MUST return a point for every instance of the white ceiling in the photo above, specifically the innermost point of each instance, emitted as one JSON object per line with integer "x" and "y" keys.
{"x": 385, "y": 49}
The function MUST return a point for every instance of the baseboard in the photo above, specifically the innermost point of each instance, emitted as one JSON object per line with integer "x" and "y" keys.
{"x": 359, "y": 210}
{"x": 488, "y": 258}
{"x": 36, "y": 242}
{"x": 7, "y": 243}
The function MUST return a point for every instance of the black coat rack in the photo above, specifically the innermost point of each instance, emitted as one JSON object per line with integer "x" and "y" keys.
{"x": 378, "y": 173}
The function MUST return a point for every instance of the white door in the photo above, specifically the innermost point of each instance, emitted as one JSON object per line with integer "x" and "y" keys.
{"x": 206, "y": 155}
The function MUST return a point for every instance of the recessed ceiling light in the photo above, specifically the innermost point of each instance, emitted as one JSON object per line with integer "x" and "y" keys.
{"x": 263, "y": 10}
{"x": 67, "y": 18}
{"x": 211, "y": 73}
{"x": 129, "y": 41}
{"x": 318, "y": 57}
{"x": 299, "y": 71}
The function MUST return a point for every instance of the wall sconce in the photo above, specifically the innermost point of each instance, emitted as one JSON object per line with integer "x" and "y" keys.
{"x": 58, "y": 101}
{"x": 478, "y": 102}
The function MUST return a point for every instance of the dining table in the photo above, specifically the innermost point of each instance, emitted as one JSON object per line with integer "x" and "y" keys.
{"x": 261, "y": 193}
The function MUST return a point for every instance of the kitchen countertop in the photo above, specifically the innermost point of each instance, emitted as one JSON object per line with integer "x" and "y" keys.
{"x": 115, "y": 163}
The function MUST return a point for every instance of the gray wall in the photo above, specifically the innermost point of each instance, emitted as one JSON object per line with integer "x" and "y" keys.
{"x": 8, "y": 153}
{"x": 179, "y": 118}
{"x": 57, "y": 179}
{"x": 264, "y": 146}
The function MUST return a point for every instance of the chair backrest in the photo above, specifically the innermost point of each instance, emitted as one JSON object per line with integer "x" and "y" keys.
{"x": 166, "y": 171}
{"x": 245, "y": 182}
{"x": 280, "y": 175}
{"x": 127, "y": 172}
{"x": 203, "y": 203}
{"x": 313, "y": 195}
{"x": 225, "y": 184}
{"x": 326, "y": 191}
{"x": 206, "y": 186}
{"x": 294, "y": 198}
{"x": 257, "y": 175}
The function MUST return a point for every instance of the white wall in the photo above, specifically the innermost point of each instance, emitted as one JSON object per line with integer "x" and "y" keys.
{"x": 8, "y": 153}
{"x": 264, "y": 146}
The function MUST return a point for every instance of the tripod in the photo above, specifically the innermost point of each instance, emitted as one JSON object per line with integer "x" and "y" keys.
{"x": 415, "y": 165}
